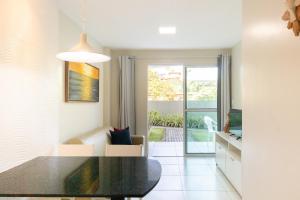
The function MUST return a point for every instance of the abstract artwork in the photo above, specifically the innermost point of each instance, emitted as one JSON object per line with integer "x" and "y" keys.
{"x": 81, "y": 82}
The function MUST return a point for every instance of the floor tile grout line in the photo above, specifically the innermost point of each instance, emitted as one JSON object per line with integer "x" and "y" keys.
{"x": 222, "y": 184}
{"x": 198, "y": 190}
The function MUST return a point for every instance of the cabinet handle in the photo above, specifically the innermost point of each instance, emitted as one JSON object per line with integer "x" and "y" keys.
{"x": 232, "y": 159}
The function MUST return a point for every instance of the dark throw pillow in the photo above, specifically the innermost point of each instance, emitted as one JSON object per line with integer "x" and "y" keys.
{"x": 121, "y": 136}
{"x": 119, "y": 129}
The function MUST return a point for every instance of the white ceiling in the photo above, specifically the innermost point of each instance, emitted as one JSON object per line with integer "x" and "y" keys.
{"x": 134, "y": 23}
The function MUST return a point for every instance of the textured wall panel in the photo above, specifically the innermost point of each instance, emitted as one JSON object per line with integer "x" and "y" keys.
{"x": 29, "y": 75}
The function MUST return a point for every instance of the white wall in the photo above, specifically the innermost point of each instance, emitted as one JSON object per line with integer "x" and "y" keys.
{"x": 29, "y": 80}
{"x": 166, "y": 107}
{"x": 271, "y": 103}
{"x": 106, "y": 90}
{"x": 236, "y": 76}
{"x": 33, "y": 115}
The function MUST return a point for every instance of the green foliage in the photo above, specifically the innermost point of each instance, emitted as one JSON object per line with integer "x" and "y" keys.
{"x": 175, "y": 120}
{"x": 199, "y": 135}
{"x": 159, "y": 89}
{"x": 196, "y": 126}
{"x": 156, "y": 134}
{"x": 164, "y": 89}
{"x": 204, "y": 90}
{"x": 157, "y": 119}
{"x": 195, "y": 122}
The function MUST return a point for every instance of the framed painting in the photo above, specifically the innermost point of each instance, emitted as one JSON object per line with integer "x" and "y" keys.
{"x": 81, "y": 82}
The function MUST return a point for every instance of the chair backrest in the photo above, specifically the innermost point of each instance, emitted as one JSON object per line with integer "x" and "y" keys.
{"x": 97, "y": 137}
{"x": 210, "y": 123}
{"x": 123, "y": 150}
{"x": 75, "y": 150}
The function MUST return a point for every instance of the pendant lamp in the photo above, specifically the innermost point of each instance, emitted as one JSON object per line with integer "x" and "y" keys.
{"x": 83, "y": 51}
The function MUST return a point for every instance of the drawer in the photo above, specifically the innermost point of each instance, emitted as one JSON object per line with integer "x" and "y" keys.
{"x": 221, "y": 156}
{"x": 234, "y": 171}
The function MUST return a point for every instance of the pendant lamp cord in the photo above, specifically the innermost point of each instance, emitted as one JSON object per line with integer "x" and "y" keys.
{"x": 83, "y": 13}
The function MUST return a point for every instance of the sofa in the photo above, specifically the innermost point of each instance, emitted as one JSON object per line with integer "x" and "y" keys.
{"x": 99, "y": 139}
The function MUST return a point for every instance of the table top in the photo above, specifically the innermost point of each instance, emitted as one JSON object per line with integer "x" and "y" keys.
{"x": 81, "y": 177}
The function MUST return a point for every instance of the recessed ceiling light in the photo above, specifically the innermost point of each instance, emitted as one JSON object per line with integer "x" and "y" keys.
{"x": 167, "y": 30}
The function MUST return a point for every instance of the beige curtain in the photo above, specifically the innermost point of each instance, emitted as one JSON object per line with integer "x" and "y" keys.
{"x": 224, "y": 62}
{"x": 127, "y": 93}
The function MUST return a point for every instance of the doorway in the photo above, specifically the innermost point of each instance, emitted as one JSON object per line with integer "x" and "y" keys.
{"x": 165, "y": 110}
{"x": 182, "y": 109}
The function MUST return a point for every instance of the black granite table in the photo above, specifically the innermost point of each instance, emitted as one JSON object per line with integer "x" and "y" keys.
{"x": 113, "y": 177}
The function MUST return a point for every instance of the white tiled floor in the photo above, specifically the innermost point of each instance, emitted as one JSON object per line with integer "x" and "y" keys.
{"x": 191, "y": 178}
{"x": 176, "y": 148}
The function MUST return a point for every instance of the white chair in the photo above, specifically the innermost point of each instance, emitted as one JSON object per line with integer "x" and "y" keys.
{"x": 211, "y": 126}
{"x": 124, "y": 150}
{"x": 134, "y": 150}
{"x": 80, "y": 150}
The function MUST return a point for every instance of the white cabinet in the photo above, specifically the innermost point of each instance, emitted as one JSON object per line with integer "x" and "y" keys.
{"x": 234, "y": 171}
{"x": 220, "y": 156}
{"x": 228, "y": 159}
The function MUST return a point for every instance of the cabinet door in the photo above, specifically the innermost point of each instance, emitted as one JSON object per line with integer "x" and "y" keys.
{"x": 234, "y": 171}
{"x": 220, "y": 156}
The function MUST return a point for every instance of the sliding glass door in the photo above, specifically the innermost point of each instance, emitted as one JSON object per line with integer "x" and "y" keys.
{"x": 200, "y": 108}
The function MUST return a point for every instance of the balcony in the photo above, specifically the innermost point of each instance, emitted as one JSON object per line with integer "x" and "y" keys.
{"x": 166, "y": 133}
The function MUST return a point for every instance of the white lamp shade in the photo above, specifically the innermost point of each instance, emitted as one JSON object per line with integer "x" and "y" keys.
{"x": 82, "y": 56}
{"x": 83, "y": 52}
